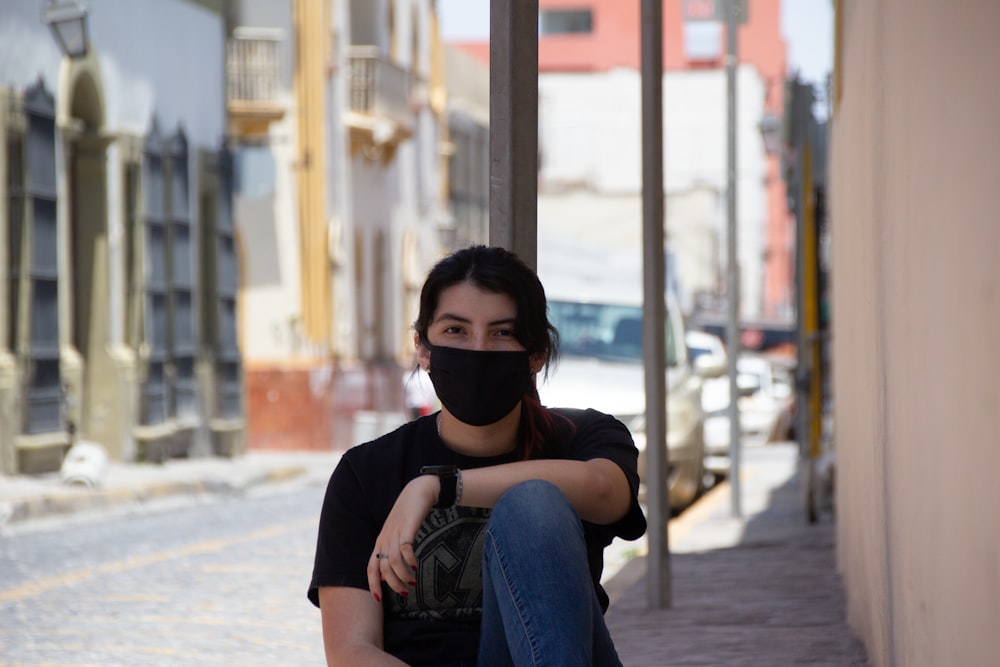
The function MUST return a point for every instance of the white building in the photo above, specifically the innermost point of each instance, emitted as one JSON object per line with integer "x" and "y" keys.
{"x": 591, "y": 169}
{"x": 117, "y": 256}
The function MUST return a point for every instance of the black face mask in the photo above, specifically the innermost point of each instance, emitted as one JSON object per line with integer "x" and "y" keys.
{"x": 478, "y": 387}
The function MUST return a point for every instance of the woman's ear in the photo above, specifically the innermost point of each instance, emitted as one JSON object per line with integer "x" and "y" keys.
{"x": 423, "y": 354}
{"x": 536, "y": 362}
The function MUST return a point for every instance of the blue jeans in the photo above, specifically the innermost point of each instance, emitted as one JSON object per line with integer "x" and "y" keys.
{"x": 539, "y": 604}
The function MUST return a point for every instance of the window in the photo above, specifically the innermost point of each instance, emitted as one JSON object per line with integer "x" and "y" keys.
{"x": 182, "y": 281}
{"x": 702, "y": 40}
{"x": 34, "y": 265}
{"x": 220, "y": 282}
{"x": 565, "y": 22}
{"x": 604, "y": 331}
{"x": 168, "y": 328}
{"x": 15, "y": 213}
{"x": 154, "y": 408}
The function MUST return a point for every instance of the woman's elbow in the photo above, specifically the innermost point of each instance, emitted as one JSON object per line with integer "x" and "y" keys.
{"x": 610, "y": 493}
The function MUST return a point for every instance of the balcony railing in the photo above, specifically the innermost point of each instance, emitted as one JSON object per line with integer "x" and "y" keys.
{"x": 378, "y": 87}
{"x": 252, "y": 66}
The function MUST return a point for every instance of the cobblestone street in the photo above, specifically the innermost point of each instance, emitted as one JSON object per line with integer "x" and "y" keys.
{"x": 216, "y": 584}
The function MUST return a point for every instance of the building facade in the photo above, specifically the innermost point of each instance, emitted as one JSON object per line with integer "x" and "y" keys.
{"x": 915, "y": 154}
{"x": 467, "y": 152}
{"x": 117, "y": 252}
{"x": 340, "y": 208}
{"x": 590, "y": 174}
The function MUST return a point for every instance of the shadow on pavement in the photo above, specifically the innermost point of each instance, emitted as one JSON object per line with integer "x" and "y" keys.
{"x": 767, "y": 595}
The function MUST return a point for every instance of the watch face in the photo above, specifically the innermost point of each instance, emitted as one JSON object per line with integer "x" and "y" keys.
{"x": 439, "y": 470}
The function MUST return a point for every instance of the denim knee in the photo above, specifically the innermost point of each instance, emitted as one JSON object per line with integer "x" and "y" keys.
{"x": 536, "y": 507}
{"x": 538, "y": 598}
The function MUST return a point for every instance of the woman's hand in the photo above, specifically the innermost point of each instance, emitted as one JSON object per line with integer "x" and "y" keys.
{"x": 394, "y": 560}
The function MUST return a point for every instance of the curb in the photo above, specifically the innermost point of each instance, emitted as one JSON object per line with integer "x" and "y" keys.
{"x": 69, "y": 501}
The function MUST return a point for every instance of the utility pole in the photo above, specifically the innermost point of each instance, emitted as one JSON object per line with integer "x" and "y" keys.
{"x": 514, "y": 127}
{"x": 733, "y": 288}
{"x": 808, "y": 370}
{"x": 654, "y": 309}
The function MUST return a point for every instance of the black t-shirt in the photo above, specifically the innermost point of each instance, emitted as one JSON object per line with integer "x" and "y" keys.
{"x": 439, "y": 621}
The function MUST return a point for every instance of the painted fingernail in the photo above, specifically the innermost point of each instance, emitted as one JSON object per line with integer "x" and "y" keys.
{"x": 414, "y": 568}
{"x": 405, "y": 594}
{"x": 412, "y": 583}
{"x": 377, "y": 598}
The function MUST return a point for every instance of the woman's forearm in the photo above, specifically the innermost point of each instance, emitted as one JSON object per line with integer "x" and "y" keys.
{"x": 597, "y": 489}
{"x": 361, "y": 656}
{"x": 352, "y": 629}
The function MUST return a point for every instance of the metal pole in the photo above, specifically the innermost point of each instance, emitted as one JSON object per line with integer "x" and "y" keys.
{"x": 654, "y": 309}
{"x": 801, "y": 184}
{"x": 733, "y": 328}
{"x": 514, "y": 127}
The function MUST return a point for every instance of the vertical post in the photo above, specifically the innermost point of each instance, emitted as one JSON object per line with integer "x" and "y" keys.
{"x": 8, "y": 374}
{"x": 810, "y": 338}
{"x": 514, "y": 127}
{"x": 654, "y": 309}
{"x": 733, "y": 328}
{"x": 807, "y": 379}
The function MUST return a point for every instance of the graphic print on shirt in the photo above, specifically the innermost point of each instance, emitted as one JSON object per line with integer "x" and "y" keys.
{"x": 449, "y": 549}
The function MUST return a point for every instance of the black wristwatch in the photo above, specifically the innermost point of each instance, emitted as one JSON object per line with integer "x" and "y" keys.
{"x": 449, "y": 477}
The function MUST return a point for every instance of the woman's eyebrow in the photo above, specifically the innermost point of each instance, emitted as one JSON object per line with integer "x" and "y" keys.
{"x": 509, "y": 321}
{"x": 452, "y": 316}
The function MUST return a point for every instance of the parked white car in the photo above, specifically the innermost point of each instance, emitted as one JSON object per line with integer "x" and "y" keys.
{"x": 766, "y": 401}
{"x": 714, "y": 401}
{"x": 601, "y": 364}
{"x": 766, "y": 412}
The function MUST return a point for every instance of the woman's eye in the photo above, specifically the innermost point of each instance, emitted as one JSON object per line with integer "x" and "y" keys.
{"x": 505, "y": 332}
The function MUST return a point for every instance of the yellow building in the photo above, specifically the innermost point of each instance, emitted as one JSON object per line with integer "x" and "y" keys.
{"x": 340, "y": 205}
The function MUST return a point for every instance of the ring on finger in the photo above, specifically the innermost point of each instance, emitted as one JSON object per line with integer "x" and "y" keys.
{"x": 380, "y": 556}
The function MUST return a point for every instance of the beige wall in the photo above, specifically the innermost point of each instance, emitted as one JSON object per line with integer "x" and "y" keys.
{"x": 915, "y": 206}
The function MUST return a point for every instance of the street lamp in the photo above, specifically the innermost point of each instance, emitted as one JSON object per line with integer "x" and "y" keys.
{"x": 770, "y": 131}
{"x": 67, "y": 19}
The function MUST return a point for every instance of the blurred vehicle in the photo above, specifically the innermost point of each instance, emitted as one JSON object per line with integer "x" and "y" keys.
{"x": 601, "y": 367}
{"x": 766, "y": 403}
{"x": 700, "y": 343}
{"x": 714, "y": 403}
{"x": 766, "y": 412}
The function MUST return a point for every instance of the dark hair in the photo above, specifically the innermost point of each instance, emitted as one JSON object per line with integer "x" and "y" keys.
{"x": 499, "y": 270}
{"x": 495, "y": 270}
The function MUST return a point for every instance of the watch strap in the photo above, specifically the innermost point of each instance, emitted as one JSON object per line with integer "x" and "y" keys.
{"x": 448, "y": 477}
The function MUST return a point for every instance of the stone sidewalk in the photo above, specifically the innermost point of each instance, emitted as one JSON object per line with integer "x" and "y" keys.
{"x": 758, "y": 590}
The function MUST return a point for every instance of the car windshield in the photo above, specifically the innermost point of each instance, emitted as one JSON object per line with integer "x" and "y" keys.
{"x": 603, "y": 331}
